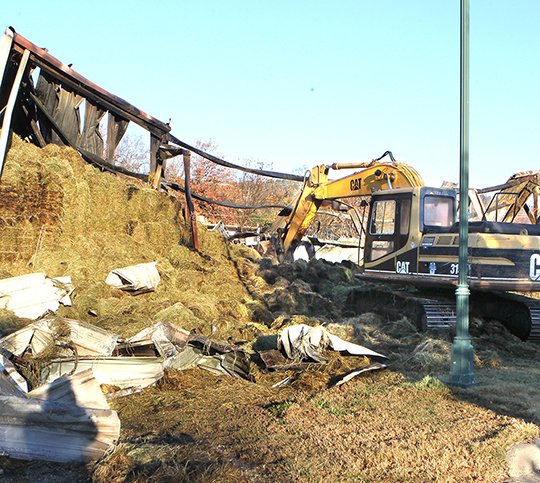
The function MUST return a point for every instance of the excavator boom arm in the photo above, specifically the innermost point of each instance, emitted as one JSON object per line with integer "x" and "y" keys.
{"x": 373, "y": 176}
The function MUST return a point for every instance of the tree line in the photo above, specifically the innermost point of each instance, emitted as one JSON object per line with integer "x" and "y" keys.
{"x": 217, "y": 182}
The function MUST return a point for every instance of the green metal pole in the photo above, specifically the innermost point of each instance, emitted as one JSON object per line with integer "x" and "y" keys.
{"x": 462, "y": 370}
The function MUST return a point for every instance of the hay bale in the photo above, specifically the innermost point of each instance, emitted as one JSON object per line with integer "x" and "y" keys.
{"x": 259, "y": 312}
{"x": 5, "y": 274}
{"x": 180, "y": 257}
{"x": 9, "y": 322}
{"x": 138, "y": 225}
{"x": 488, "y": 358}
{"x": 257, "y": 284}
{"x": 342, "y": 329}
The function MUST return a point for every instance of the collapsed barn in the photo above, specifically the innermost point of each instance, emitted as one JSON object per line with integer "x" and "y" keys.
{"x": 42, "y": 99}
{"x": 227, "y": 308}
{"x": 45, "y": 101}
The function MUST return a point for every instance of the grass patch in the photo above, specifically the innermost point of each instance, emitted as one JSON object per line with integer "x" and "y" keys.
{"x": 413, "y": 432}
{"x": 428, "y": 383}
{"x": 332, "y": 409}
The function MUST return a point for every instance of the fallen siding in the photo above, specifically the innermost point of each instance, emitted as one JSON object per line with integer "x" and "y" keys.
{"x": 67, "y": 421}
{"x": 30, "y": 296}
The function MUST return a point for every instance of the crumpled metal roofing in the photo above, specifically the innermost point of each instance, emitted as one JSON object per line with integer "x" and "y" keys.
{"x": 30, "y": 296}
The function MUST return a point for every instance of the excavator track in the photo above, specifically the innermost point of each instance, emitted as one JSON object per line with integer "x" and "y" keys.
{"x": 428, "y": 313}
{"x": 439, "y": 315}
{"x": 520, "y": 314}
{"x": 534, "y": 311}
{"x": 529, "y": 328}
{"x": 437, "y": 310}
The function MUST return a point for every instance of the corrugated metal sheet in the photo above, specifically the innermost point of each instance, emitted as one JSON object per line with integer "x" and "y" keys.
{"x": 117, "y": 371}
{"x": 89, "y": 340}
{"x": 137, "y": 279}
{"x": 66, "y": 421}
{"x": 30, "y": 296}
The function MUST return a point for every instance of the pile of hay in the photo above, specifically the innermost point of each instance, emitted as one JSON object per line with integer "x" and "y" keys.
{"x": 85, "y": 223}
{"x": 94, "y": 222}
{"x": 99, "y": 222}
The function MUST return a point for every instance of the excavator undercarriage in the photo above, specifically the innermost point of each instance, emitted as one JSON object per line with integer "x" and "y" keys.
{"x": 431, "y": 309}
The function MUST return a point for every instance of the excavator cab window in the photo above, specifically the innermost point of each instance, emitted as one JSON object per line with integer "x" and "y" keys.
{"x": 383, "y": 221}
{"x": 405, "y": 217}
{"x": 389, "y": 225}
{"x": 382, "y": 228}
{"x": 438, "y": 213}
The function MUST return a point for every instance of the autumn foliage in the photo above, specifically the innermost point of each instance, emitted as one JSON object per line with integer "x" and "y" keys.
{"x": 224, "y": 184}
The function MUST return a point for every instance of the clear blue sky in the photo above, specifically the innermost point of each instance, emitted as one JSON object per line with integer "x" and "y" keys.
{"x": 299, "y": 83}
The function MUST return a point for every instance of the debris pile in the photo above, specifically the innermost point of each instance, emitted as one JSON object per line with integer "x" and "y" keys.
{"x": 65, "y": 362}
{"x": 54, "y": 367}
{"x": 55, "y": 347}
{"x": 135, "y": 279}
{"x": 68, "y": 420}
{"x": 302, "y": 347}
{"x": 30, "y": 296}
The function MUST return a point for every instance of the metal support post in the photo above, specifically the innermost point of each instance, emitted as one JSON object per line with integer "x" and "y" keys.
{"x": 189, "y": 202}
{"x": 5, "y": 50}
{"x": 462, "y": 369}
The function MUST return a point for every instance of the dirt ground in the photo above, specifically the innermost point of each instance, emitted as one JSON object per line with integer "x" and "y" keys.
{"x": 399, "y": 424}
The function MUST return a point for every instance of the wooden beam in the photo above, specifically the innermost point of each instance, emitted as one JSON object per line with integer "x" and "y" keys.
{"x": 156, "y": 164}
{"x": 116, "y": 128}
{"x": 83, "y": 86}
{"x": 35, "y": 128}
{"x": 5, "y": 49}
{"x": 8, "y": 114}
{"x": 528, "y": 212}
{"x": 90, "y": 157}
{"x": 189, "y": 202}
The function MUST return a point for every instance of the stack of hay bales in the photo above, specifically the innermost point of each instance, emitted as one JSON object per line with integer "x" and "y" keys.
{"x": 96, "y": 222}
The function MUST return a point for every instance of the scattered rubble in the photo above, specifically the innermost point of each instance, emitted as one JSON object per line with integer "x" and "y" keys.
{"x": 524, "y": 462}
{"x": 122, "y": 372}
{"x": 302, "y": 341}
{"x": 84, "y": 338}
{"x": 138, "y": 361}
{"x": 226, "y": 296}
{"x": 68, "y": 420}
{"x": 356, "y": 372}
{"x": 301, "y": 347}
{"x": 66, "y": 403}
{"x": 11, "y": 382}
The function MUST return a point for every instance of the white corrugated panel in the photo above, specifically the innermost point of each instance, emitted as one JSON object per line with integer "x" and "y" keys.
{"x": 30, "y": 296}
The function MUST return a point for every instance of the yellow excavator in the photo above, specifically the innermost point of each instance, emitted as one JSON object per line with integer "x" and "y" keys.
{"x": 411, "y": 236}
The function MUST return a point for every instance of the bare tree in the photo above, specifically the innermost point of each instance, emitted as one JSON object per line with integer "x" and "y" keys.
{"x": 257, "y": 190}
{"x": 132, "y": 153}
